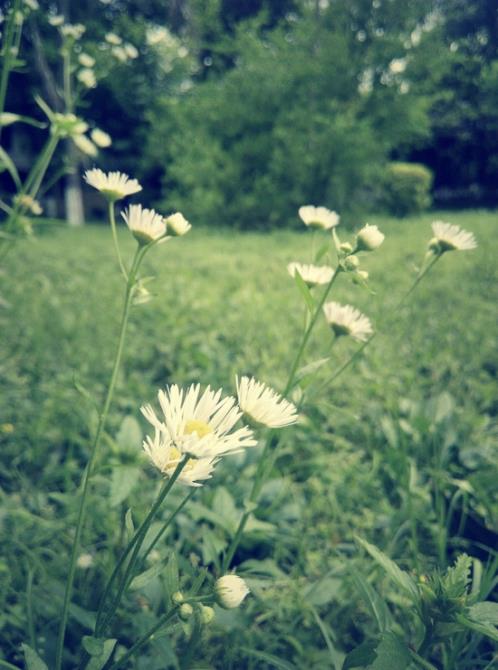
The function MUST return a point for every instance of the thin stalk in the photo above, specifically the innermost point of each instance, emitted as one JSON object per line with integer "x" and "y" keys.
{"x": 262, "y": 469}
{"x": 29, "y": 609}
{"x": 144, "y": 639}
{"x": 421, "y": 661}
{"x": 308, "y": 331}
{"x": 112, "y": 219}
{"x": 93, "y": 454}
{"x": 167, "y": 523}
{"x": 66, "y": 70}
{"x": 8, "y": 43}
{"x": 104, "y": 617}
{"x": 9, "y": 666}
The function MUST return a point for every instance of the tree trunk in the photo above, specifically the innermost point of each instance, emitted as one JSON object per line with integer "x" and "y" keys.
{"x": 73, "y": 196}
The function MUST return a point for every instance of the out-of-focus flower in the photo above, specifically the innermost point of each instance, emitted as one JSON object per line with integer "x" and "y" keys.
{"x": 87, "y": 77}
{"x": 112, "y": 38}
{"x": 73, "y": 31}
{"x": 27, "y": 203}
{"x": 347, "y": 320}
{"x": 32, "y": 4}
{"x": 114, "y": 185}
{"x": 56, "y": 20}
{"x": 369, "y": 238}
{"x": 84, "y": 561}
{"x": 131, "y": 51}
{"x": 86, "y": 60}
{"x": 100, "y": 138}
{"x": 230, "y": 591}
{"x": 119, "y": 53}
{"x": 397, "y": 65}
{"x": 146, "y": 224}
{"x": 262, "y": 404}
{"x": 449, "y": 237}
{"x": 68, "y": 125}
{"x": 85, "y": 145}
{"x": 311, "y": 274}
{"x": 318, "y": 217}
{"x": 177, "y": 224}
{"x": 202, "y": 427}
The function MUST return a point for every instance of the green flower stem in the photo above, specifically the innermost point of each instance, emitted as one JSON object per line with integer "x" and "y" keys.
{"x": 167, "y": 523}
{"x": 10, "y": 40}
{"x": 421, "y": 661}
{"x": 112, "y": 220}
{"x": 93, "y": 454}
{"x": 104, "y": 615}
{"x": 9, "y": 666}
{"x": 144, "y": 639}
{"x": 269, "y": 450}
{"x": 66, "y": 68}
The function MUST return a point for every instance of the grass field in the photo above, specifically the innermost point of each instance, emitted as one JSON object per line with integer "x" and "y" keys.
{"x": 400, "y": 450}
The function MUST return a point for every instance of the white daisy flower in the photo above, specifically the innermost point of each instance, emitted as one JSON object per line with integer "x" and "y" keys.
{"x": 448, "y": 237}
{"x": 369, "y": 238}
{"x": 347, "y": 320}
{"x": 230, "y": 591}
{"x": 177, "y": 224}
{"x": 73, "y": 31}
{"x": 201, "y": 427}
{"x": 311, "y": 274}
{"x": 145, "y": 224}
{"x": 264, "y": 405}
{"x": 318, "y": 217}
{"x": 113, "y": 185}
{"x": 165, "y": 456}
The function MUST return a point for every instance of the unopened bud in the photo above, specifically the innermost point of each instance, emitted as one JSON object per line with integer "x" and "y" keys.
{"x": 346, "y": 247}
{"x": 230, "y": 591}
{"x": 206, "y": 614}
{"x": 351, "y": 263}
{"x": 186, "y": 611}
{"x": 177, "y": 597}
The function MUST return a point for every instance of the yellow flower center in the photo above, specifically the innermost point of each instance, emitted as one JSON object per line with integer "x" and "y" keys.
{"x": 201, "y": 428}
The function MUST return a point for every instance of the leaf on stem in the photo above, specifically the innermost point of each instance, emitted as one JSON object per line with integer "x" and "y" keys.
{"x": 305, "y": 292}
{"x": 401, "y": 578}
{"x": 33, "y": 661}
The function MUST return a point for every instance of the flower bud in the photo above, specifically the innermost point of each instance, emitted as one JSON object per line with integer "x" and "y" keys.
{"x": 369, "y": 238}
{"x": 206, "y": 614}
{"x": 186, "y": 611}
{"x": 230, "y": 591}
{"x": 351, "y": 263}
{"x": 346, "y": 248}
{"x": 177, "y": 597}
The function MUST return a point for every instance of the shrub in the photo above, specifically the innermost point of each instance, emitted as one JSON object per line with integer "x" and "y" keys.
{"x": 407, "y": 188}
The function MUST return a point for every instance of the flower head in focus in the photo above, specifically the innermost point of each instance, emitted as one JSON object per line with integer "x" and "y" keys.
{"x": 318, "y": 217}
{"x": 264, "y": 405}
{"x": 347, "y": 320}
{"x": 166, "y": 457}
{"x": 177, "y": 224}
{"x": 201, "y": 426}
{"x": 449, "y": 237}
{"x": 230, "y": 591}
{"x": 311, "y": 274}
{"x": 113, "y": 185}
{"x": 369, "y": 238}
{"x": 146, "y": 225}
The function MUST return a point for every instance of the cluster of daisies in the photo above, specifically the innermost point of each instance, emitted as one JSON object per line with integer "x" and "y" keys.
{"x": 202, "y": 428}
{"x": 346, "y": 319}
{"x": 146, "y": 225}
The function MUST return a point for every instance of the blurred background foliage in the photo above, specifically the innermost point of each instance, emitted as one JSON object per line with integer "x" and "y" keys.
{"x": 238, "y": 112}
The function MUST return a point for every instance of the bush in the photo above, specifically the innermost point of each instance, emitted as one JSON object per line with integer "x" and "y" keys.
{"x": 407, "y": 188}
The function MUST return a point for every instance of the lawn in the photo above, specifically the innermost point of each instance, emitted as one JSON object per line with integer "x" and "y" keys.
{"x": 401, "y": 449}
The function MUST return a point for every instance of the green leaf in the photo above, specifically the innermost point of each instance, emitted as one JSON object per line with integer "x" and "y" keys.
{"x": 94, "y": 646}
{"x": 322, "y": 592}
{"x": 487, "y": 629}
{"x": 144, "y": 578}
{"x": 273, "y": 661}
{"x": 33, "y": 661}
{"x": 401, "y": 578}
{"x": 123, "y": 480}
{"x": 377, "y": 606}
{"x": 129, "y": 525}
{"x": 171, "y": 575}
{"x": 392, "y": 654}
{"x": 98, "y": 661}
{"x": 10, "y": 167}
{"x": 361, "y": 656}
{"x": 310, "y": 368}
{"x": 305, "y": 292}
{"x": 485, "y": 612}
{"x": 322, "y": 251}
{"x": 129, "y": 436}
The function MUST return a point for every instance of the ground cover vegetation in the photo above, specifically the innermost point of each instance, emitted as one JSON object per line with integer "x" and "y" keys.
{"x": 320, "y": 481}
{"x": 400, "y": 450}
